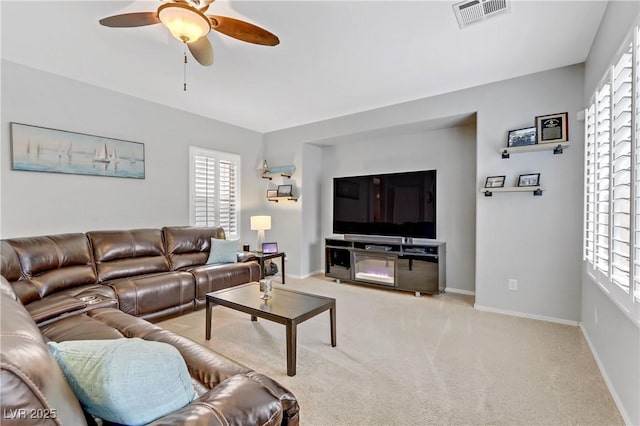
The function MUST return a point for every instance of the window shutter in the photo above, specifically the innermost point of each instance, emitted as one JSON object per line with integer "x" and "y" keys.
{"x": 621, "y": 170}
{"x": 603, "y": 163}
{"x": 215, "y": 190}
{"x": 635, "y": 76}
{"x": 590, "y": 185}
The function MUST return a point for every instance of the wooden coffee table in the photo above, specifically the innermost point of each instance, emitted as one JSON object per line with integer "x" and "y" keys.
{"x": 288, "y": 307}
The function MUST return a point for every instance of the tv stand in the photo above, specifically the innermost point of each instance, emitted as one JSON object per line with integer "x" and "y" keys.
{"x": 419, "y": 268}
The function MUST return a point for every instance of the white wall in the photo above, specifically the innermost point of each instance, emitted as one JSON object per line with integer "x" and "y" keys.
{"x": 535, "y": 240}
{"x": 451, "y": 152}
{"x": 614, "y": 337}
{"x": 46, "y": 203}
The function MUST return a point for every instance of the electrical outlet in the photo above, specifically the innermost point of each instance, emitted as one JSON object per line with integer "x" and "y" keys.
{"x": 513, "y": 284}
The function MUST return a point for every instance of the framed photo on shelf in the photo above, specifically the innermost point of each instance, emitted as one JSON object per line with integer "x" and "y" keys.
{"x": 495, "y": 182}
{"x": 272, "y": 193}
{"x": 522, "y": 137}
{"x": 285, "y": 190}
{"x": 553, "y": 128}
{"x": 531, "y": 179}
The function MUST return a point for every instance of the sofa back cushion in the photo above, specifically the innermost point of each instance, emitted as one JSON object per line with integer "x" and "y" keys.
{"x": 119, "y": 254}
{"x": 30, "y": 380}
{"x": 50, "y": 263}
{"x": 189, "y": 245}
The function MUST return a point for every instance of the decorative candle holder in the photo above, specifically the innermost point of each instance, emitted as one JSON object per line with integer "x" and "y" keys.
{"x": 265, "y": 288}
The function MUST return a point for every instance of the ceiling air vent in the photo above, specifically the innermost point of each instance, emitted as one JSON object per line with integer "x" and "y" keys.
{"x": 472, "y": 11}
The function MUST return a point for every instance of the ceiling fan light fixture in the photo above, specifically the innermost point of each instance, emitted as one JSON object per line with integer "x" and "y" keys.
{"x": 184, "y": 22}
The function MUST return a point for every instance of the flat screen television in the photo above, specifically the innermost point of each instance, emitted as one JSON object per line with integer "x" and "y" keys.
{"x": 394, "y": 204}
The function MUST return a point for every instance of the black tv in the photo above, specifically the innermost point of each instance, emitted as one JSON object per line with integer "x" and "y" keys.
{"x": 394, "y": 204}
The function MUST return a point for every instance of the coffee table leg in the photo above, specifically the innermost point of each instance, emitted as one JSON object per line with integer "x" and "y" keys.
{"x": 283, "y": 260}
{"x": 291, "y": 348}
{"x": 332, "y": 314}
{"x": 207, "y": 333}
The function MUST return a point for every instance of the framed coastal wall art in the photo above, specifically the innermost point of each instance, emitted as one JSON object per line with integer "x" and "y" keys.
{"x": 40, "y": 149}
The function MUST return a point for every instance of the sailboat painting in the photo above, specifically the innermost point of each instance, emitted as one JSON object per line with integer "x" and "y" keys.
{"x": 40, "y": 149}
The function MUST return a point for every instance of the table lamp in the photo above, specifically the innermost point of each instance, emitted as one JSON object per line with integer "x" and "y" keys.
{"x": 260, "y": 224}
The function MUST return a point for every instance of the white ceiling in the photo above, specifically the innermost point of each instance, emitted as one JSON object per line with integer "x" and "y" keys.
{"x": 334, "y": 58}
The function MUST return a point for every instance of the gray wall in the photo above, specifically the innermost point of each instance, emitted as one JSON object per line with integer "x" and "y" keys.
{"x": 46, "y": 203}
{"x": 451, "y": 152}
{"x": 613, "y": 336}
{"x": 535, "y": 240}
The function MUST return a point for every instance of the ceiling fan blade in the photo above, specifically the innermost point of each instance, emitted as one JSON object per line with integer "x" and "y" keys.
{"x": 201, "y": 50}
{"x": 137, "y": 19}
{"x": 242, "y": 30}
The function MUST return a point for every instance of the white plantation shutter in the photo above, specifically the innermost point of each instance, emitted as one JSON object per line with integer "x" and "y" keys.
{"x": 621, "y": 170}
{"x": 612, "y": 179}
{"x": 635, "y": 95}
{"x": 214, "y": 185}
{"x": 590, "y": 185}
{"x": 603, "y": 163}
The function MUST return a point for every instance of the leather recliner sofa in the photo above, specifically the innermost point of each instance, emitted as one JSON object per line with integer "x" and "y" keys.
{"x": 151, "y": 273}
{"x": 34, "y": 391}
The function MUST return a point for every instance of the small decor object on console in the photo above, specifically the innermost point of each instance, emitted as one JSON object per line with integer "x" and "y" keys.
{"x": 553, "y": 128}
{"x": 531, "y": 179}
{"x": 265, "y": 288}
{"x": 495, "y": 182}
{"x": 285, "y": 190}
{"x": 522, "y": 137}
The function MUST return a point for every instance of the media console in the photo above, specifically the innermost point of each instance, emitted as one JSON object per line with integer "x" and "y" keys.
{"x": 387, "y": 262}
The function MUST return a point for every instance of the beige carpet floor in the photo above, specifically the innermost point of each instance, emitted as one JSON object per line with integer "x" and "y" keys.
{"x": 403, "y": 360}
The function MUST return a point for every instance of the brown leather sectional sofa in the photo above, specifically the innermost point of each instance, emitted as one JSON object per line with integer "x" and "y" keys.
{"x": 150, "y": 273}
{"x": 100, "y": 285}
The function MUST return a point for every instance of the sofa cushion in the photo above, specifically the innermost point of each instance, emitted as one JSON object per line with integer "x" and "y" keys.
{"x": 119, "y": 254}
{"x": 223, "y": 251}
{"x": 53, "y": 263}
{"x": 155, "y": 296}
{"x": 210, "y": 278}
{"x": 189, "y": 245}
{"x": 129, "y": 381}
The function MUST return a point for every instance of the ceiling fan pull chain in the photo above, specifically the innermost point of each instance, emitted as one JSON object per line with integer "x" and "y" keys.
{"x": 185, "y": 67}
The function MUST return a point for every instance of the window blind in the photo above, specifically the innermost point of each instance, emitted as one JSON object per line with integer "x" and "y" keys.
{"x": 215, "y": 190}
{"x": 621, "y": 169}
{"x": 590, "y": 185}
{"x": 603, "y": 163}
{"x": 635, "y": 78}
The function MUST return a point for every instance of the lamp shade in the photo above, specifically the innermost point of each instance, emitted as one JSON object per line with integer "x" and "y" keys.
{"x": 185, "y": 23}
{"x": 260, "y": 223}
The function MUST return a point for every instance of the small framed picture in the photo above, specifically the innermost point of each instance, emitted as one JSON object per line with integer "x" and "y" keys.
{"x": 272, "y": 193}
{"x": 285, "y": 190}
{"x": 522, "y": 137}
{"x": 553, "y": 128}
{"x": 495, "y": 182}
{"x": 531, "y": 179}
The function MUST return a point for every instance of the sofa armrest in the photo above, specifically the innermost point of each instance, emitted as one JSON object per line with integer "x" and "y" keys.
{"x": 53, "y": 306}
{"x": 246, "y": 256}
{"x": 239, "y": 400}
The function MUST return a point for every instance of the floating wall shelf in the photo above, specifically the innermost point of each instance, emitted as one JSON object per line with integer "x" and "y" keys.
{"x": 537, "y": 190}
{"x": 276, "y": 199}
{"x": 557, "y": 148}
{"x": 284, "y": 171}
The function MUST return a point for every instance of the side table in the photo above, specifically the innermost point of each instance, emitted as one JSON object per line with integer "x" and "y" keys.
{"x": 266, "y": 256}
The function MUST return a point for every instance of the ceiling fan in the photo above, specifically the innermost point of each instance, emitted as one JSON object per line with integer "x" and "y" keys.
{"x": 188, "y": 23}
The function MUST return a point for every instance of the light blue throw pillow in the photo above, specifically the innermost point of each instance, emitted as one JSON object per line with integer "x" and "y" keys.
{"x": 223, "y": 251}
{"x": 128, "y": 381}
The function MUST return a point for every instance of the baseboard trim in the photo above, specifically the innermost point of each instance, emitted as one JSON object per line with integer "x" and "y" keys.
{"x": 523, "y": 315}
{"x": 612, "y": 391}
{"x": 310, "y": 274}
{"x": 459, "y": 291}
